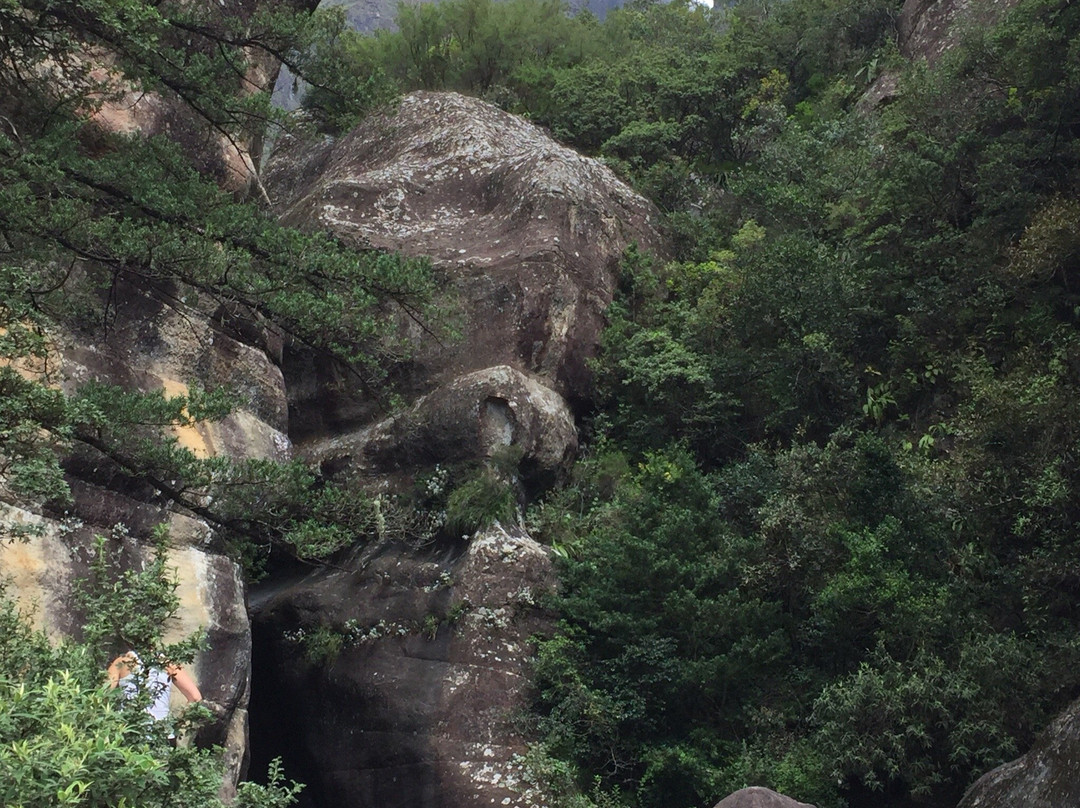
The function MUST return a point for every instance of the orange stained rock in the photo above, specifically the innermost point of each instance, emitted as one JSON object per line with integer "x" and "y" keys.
{"x": 194, "y": 437}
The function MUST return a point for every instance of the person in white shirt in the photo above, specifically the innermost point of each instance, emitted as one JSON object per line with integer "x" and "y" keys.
{"x": 122, "y": 673}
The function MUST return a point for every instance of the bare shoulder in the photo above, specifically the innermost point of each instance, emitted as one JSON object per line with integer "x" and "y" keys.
{"x": 122, "y": 666}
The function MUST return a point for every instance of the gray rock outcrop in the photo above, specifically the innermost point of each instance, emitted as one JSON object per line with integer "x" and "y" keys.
{"x": 428, "y": 651}
{"x": 927, "y": 29}
{"x": 471, "y": 417}
{"x": 1048, "y": 776}
{"x": 527, "y": 233}
{"x": 758, "y": 797}
{"x": 406, "y": 667}
{"x": 150, "y": 347}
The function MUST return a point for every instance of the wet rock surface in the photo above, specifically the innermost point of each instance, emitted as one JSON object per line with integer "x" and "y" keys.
{"x": 416, "y": 705}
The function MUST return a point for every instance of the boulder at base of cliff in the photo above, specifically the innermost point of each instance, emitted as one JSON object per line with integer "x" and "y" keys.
{"x": 470, "y": 418}
{"x": 1046, "y": 777}
{"x": 758, "y": 797}
{"x": 397, "y": 680}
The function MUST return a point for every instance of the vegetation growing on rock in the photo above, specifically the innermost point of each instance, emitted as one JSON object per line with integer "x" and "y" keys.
{"x": 67, "y": 739}
{"x": 824, "y": 535}
{"x": 127, "y": 131}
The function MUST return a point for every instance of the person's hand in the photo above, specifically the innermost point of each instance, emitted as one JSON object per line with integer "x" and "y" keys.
{"x": 206, "y": 713}
{"x": 218, "y": 711}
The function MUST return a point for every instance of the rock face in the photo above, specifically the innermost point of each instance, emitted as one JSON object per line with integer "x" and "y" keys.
{"x": 154, "y": 347}
{"x": 230, "y": 161}
{"x": 156, "y": 343}
{"x": 758, "y": 797}
{"x": 43, "y": 571}
{"x": 472, "y": 416}
{"x": 1046, "y": 777}
{"x": 527, "y": 233}
{"x": 408, "y": 667}
{"x": 416, "y": 705}
{"x": 926, "y": 29}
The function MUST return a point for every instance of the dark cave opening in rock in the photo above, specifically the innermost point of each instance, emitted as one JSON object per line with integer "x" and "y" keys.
{"x": 354, "y": 723}
{"x": 276, "y": 719}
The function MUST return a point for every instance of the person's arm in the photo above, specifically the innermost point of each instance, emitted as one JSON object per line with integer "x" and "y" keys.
{"x": 184, "y": 683}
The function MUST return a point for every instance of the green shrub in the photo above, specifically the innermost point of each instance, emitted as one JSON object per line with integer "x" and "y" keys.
{"x": 479, "y": 503}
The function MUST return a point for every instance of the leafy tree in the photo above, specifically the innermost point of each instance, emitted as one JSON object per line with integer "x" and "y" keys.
{"x": 865, "y": 360}
{"x": 85, "y": 212}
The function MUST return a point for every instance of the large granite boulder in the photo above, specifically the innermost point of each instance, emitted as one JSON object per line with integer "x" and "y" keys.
{"x": 395, "y": 680}
{"x": 527, "y": 233}
{"x": 1048, "y": 776}
{"x": 392, "y": 678}
{"x": 758, "y": 797}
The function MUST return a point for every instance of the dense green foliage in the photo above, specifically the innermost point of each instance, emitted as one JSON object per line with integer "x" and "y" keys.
{"x": 824, "y": 539}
